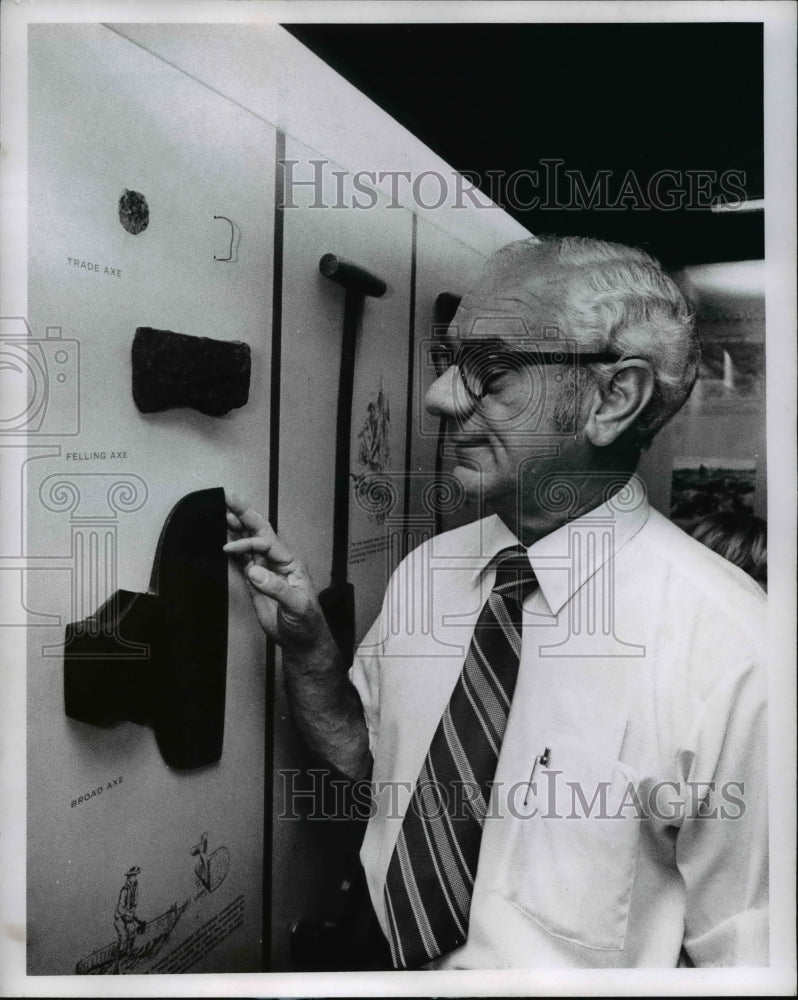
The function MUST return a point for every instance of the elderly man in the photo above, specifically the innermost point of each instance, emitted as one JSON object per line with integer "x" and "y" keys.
{"x": 561, "y": 706}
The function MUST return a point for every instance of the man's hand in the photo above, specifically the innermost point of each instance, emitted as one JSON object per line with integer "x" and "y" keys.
{"x": 325, "y": 705}
{"x": 283, "y": 593}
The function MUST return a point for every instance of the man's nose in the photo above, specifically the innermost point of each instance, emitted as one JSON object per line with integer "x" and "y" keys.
{"x": 447, "y": 396}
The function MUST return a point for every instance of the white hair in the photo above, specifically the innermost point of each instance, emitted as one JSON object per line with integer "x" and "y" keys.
{"x": 617, "y": 298}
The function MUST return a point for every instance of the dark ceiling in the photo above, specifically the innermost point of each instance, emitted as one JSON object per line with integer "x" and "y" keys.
{"x": 598, "y": 97}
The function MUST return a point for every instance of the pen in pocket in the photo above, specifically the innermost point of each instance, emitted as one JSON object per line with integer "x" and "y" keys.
{"x": 542, "y": 759}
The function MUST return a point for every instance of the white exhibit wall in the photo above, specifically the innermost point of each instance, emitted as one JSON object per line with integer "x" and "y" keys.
{"x": 105, "y": 116}
{"x": 264, "y": 69}
{"x": 195, "y": 117}
{"x": 378, "y": 240}
{"x": 311, "y": 857}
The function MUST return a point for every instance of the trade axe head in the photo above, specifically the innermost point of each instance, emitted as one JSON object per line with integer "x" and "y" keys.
{"x": 351, "y": 276}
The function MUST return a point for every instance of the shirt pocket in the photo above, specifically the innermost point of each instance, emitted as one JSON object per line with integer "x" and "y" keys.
{"x": 572, "y": 850}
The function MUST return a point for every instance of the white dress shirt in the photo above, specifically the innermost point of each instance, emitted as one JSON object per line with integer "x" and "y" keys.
{"x": 641, "y": 836}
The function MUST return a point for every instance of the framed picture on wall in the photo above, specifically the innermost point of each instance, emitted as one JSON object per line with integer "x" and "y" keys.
{"x": 732, "y": 372}
{"x": 710, "y": 485}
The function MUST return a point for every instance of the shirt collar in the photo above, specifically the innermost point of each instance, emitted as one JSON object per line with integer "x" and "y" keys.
{"x": 559, "y": 574}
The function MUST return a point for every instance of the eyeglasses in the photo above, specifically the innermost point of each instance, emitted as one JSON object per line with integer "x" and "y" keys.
{"x": 481, "y": 362}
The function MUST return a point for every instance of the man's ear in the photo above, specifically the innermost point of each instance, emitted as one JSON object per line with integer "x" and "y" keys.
{"x": 615, "y": 409}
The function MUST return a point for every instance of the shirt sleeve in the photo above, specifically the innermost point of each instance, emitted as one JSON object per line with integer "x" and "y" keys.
{"x": 365, "y": 676}
{"x": 722, "y": 846}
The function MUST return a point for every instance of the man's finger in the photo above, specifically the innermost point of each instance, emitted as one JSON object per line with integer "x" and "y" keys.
{"x": 248, "y": 516}
{"x": 273, "y": 585}
{"x": 234, "y": 500}
{"x": 234, "y": 523}
{"x": 269, "y": 546}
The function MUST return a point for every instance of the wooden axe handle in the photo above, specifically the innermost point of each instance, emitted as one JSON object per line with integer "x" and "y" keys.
{"x": 338, "y": 600}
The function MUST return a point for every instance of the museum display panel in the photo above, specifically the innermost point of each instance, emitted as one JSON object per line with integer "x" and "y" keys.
{"x": 184, "y": 335}
{"x": 107, "y": 119}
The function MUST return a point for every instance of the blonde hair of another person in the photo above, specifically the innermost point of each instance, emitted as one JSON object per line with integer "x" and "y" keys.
{"x": 740, "y": 537}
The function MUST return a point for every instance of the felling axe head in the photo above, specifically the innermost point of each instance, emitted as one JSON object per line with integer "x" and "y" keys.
{"x": 351, "y": 276}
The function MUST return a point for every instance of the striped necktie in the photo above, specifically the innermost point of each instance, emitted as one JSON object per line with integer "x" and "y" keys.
{"x": 431, "y": 873}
